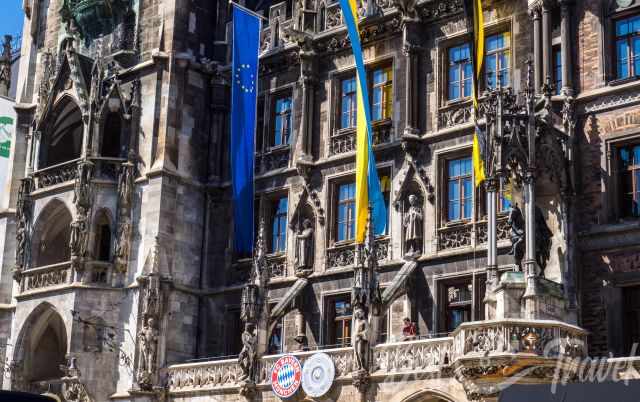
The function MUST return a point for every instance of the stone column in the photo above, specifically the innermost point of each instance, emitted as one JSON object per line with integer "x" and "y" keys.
{"x": 537, "y": 47}
{"x": 546, "y": 41}
{"x": 492, "y": 247}
{"x": 308, "y": 80}
{"x": 566, "y": 49}
{"x": 411, "y": 52}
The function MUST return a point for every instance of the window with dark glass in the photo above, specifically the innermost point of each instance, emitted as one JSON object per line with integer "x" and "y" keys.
{"x": 385, "y": 188}
{"x": 348, "y": 103}
{"x": 346, "y": 211}
{"x": 557, "y": 69}
{"x": 276, "y": 340}
{"x": 279, "y": 226}
{"x": 459, "y": 301}
{"x": 322, "y": 25}
{"x": 460, "y": 72}
{"x": 459, "y": 189}
{"x": 627, "y": 44}
{"x": 496, "y": 61}
{"x": 631, "y": 297}
{"x": 339, "y": 317}
{"x": 629, "y": 180}
{"x": 282, "y": 126}
{"x": 382, "y": 93}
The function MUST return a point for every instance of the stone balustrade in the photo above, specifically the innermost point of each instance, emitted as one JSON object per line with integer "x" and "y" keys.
{"x": 57, "y": 174}
{"x": 344, "y": 255}
{"x": 472, "y": 341}
{"x": 107, "y": 169}
{"x": 45, "y": 277}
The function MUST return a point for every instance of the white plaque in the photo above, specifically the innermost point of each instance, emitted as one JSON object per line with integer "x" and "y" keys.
{"x": 318, "y": 373}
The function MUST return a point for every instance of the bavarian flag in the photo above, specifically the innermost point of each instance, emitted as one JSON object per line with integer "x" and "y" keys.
{"x": 475, "y": 20}
{"x": 368, "y": 192}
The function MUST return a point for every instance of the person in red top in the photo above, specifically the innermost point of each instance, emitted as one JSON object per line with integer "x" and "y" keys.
{"x": 409, "y": 329}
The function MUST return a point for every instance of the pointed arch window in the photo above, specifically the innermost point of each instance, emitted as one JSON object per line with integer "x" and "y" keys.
{"x": 112, "y": 146}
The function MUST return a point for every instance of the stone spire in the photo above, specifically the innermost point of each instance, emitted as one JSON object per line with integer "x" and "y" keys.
{"x": 5, "y": 66}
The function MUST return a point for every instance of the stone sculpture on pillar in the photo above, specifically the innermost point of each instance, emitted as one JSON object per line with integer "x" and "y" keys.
{"x": 543, "y": 241}
{"x": 149, "y": 332}
{"x": 304, "y": 249}
{"x": 413, "y": 228}
{"x": 23, "y": 220}
{"x": 516, "y": 221}
{"x": 5, "y": 66}
{"x": 83, "y": 199}
{"x": 248, "y": 355}
{"x": 148, "y": 347}
{"x": 361, "y": 339}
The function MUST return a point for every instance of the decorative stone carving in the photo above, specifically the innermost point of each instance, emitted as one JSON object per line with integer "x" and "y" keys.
{"x": 79, "y": 232}
{"x": 72, "y": 389}
{"x": 516, "y": 221}
{"x": 247, "y": 358}
{"x": 454, "y": 236}
{"x": 304, "y": 249}
{"x": 361, "y": 339}
{"x": 413, "y": 228}
{"x": 92, "y": 18}
{"x": 5, "y": 66}
{"x": 148, "y": 332}
{"x": 123, "y": 245}
{"x": 407, "y": 9}
{"x": 23, "y": 222}
{"x": 82, "y": 194}
{"x": 148, "y": 348}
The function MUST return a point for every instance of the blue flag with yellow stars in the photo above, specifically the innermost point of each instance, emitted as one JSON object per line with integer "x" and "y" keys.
{"x": 244, "y": 87}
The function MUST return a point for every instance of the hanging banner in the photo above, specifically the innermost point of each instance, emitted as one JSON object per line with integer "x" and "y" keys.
{"x": 7, "y": 130}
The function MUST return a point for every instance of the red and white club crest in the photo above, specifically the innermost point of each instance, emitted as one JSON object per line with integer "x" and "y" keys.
{"x": 286, "y": 376}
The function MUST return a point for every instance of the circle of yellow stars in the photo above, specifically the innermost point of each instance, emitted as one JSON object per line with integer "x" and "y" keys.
{"x": 244, "y": 88}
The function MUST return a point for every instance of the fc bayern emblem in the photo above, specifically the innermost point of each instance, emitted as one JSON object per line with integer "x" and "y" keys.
{"x": 286, "y": 376}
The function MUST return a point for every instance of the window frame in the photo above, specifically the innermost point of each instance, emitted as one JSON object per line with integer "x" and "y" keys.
{"x": 341, "y": 102}
{"x": 628, "y": 38}
{"x": 634, "y": 172}
{"x": 275, "y": 114}
{"x": 330, "y": 319}
{"x": 337, "y": 204}
{"x": 477, "y": 280}
{"x": 495, "y": 53}
{"x": 386, "y": 88}
{"x": 448, "y": 64}
{"x": 461, "y": 199}
{"x": 281, "y": 237}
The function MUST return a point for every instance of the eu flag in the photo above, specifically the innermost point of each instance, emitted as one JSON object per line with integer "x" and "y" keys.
{"x": 244, "y": 77}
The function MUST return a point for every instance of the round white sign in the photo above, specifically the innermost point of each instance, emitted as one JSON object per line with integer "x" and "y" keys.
{"x": 318, "y": 373}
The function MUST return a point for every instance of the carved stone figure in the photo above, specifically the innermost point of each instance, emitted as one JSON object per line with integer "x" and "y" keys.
{"x": 543, "y": 240}
{"x": 82, "y": 188}
{"x": 248, "y": 355}
{"x": 21, "y": 242}
{"x": 361, "y": 339}
{"x": 407, "y": 8}
{"x": 148, "y": 347}
{"x": 516, "y": 221}
{"x": 78, "y": 243}
{"x": 123, "y": 246}
{"x": 413, "y": 227}
{"x": 304, "y": 248}
{"x": 125, "y": 182}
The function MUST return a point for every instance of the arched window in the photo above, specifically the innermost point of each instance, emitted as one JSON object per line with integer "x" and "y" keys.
{"x": 112, "y": 146}
{"x": 62, "y": 139}
{"x": 51, "y": 235}
{"x": 102, "y": 249}
{"x": 322, "y": 21}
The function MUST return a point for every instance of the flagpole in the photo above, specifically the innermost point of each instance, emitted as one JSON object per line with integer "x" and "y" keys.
{"x": 240, "y": 6}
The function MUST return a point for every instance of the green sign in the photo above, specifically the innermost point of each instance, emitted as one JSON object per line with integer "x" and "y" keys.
{"x": 6, "y": 126}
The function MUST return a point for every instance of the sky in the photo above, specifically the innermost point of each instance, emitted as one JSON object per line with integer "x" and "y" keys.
{"x": 11, "y": 17}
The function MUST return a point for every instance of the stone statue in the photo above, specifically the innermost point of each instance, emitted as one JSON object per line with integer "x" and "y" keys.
{"x": 304, "y": 248}
{"x": 407, "y": 8}
{"x": 413, "y": 227}
{"x": 82, "y": 187}
{"x": 21, "y": 242}
{"x": 516, "y": 221}
{"x": 125, "y": 182}
{"x": 543, "y": 240}
{"x": 78, "y": 242}
{"x": 148, "y": 347}
{"x": 248, "y": 355}
{"x": 122, "y": 246}
{"x": 361, "y": 339}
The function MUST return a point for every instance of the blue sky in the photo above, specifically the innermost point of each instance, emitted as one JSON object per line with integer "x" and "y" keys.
{"x": 11, "y": 17}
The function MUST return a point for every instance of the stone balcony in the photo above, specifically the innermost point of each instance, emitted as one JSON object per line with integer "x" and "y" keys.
{"x": 476, "y": 354}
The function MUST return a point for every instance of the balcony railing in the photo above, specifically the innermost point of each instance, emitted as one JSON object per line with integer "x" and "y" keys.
{"x": 344, "y": 255}
{"x": 107, "y": 168}
{"x": 344, "y": 141}
{"x": 472, "y": 340}
{"x": 46, "y": 277}
{"x": 460, "y": 235}
{"x": 56, "y": 174}
{"x": 273, "y": 159}
{"x": 277, "y": 264}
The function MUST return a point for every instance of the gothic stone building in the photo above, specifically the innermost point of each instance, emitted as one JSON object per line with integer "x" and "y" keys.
{"x": 118, "y": 280}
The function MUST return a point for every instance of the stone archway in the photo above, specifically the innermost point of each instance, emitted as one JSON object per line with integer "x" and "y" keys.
{"x": 41, "y": 349}
{"x": 51, "y": 235}
{"x": 428, "y": 395}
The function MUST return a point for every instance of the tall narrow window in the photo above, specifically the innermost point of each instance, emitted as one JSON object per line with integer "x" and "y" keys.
{"x": 458, "y": 300}
{"x": 279, "y": 227}
{"x": 348, "y": 101}
{"x": 346, "y": 211}
{"x": 628, "y": 47}
{"x": 385, "y": 187}
{"x": 276, "y": 341}
{"x": 460, "y": 72}
{"x": 322, "y": 22}
{"x": 497, "y": 60}
{"x": 629, "y": 180}
{"x": 382, "y": 93}
{"x": 282, "y": 124}
{"x": 557, "y": 69}
{"x": 459, "y": 189}
{"x": 339, "y": 317}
